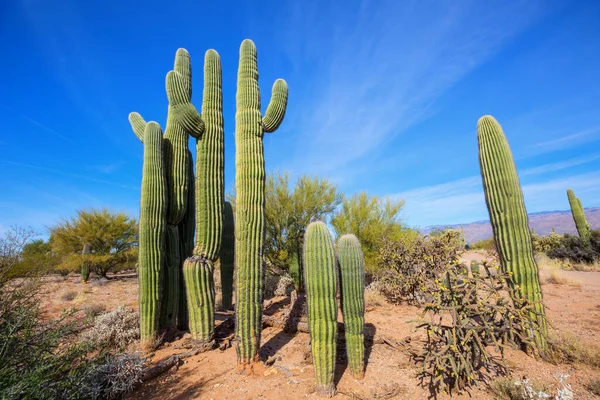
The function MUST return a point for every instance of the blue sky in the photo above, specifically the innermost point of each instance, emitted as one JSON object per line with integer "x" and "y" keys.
{"x": 384, "y": 96}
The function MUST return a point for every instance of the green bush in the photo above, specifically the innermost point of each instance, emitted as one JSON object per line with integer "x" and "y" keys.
{"x": 578, "y": 250}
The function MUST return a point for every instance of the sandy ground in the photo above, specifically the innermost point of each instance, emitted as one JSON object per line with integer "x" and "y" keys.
{"x": 572, "y": 308}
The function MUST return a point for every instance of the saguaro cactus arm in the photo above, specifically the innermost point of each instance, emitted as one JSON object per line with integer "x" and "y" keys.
{"x": 138, "y": 125}
{"x": 277, "y": 106}
{"x": 184, "y": 111}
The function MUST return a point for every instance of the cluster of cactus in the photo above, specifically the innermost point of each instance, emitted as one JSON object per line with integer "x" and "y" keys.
{"x": 583, "y": 227}
{"x": 321, "y": 280}
{"x": 509, "y": 220}
{"x": 250, "y": 127}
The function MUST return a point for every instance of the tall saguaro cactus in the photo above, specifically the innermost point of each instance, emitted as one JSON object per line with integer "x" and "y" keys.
{"x": 226, "y": 260}
{"x": 177, "y": 169}
{"x": 209, "y": 133}
{"x": 509, "y": 219}
{"x": 152, "y": 232}
{"x": 583, "y": 228}
{"x": 321, "y": 291}
{"x": 352, "y": 273}
{"x": 250, "y": 126}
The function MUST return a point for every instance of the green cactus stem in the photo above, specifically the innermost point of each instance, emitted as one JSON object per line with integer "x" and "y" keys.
{"x": 509, "y": 221}
{"x": 250, "y": 202}
{"x": 85, "y": 264}
{"x": 583, "y": 228}
{"x": 321, "y": 291}
{"x": 226, "y": 259}
{"x": 209, "y": 132}
{"x": 152, "y": 232}
{"x": 187, "y": 228}
{"x": 352, "y": 288}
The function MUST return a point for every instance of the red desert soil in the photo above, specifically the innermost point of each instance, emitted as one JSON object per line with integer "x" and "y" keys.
{"x": 212, "y": 375}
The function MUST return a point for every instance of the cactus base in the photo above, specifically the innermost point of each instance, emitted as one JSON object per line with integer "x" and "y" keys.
{"x": 326, "y": 390}
{"x": 200, "y": 291}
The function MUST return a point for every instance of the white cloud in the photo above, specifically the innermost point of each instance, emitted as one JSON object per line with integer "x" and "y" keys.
{"x": 565, "y": 142}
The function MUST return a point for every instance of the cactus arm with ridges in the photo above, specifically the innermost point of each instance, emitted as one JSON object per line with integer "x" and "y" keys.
{"x": 352, "y": 288}
{"x": 152, "y": 233}
{"x": 250, "y": 203}
{"x": 583, "y": 228}
{"x": 226, "y": 260}
{"x": 321, "y": 291}
{"x": 509, "y": 220}
{"x": 138, "y": 124}
{"x": 277, "y": 106}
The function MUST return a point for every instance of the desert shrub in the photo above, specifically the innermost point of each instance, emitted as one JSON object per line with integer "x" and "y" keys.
{"x": 116, "y": 328}
{"x": 594, "y": 386}
{"x": 68, "y": 296}
{"x": 99, "y": 282}
{"x": 94, "y": 309}
{"x": 464, "y": 317}
{"x": 409, "y": 267}
{"x": 109, "y": 377}
{"x": 508, "y": 388}
{"x": 569, "y": 348}
{"x": 486, "y": 244}
{"x": 544, "y": 244}
{"x": 578, "y": 250}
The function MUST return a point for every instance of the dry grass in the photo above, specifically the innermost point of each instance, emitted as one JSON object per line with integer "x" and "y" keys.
{"x": 566, "y": 347}
{"x": 546, "y": 263}
{"x": 559, "y": 278}
{"x": 94, "y": 309}
{"x": 594, "y": 386}
{"x": 508, "y": 388}
{"x": 374, "y": 298}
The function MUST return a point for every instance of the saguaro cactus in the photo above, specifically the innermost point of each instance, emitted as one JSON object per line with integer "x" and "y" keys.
{"x": 152, "y": 231}
{"x": 509, "y": 219}
{"x": 583, "y": 228}
{"x": 227, "y": 257}
{"x": 250, "y": 126}
{"x": 209, "y": 133}
{"x": 352, "y": 273}
{"x": 321, "y": 290}
{"x": 187, "y": 228}
{"x": 177, "y": 167}
{"x": 85, "y": 264}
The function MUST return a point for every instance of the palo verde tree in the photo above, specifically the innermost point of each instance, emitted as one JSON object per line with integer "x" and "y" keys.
{"x": 112, "y": 237}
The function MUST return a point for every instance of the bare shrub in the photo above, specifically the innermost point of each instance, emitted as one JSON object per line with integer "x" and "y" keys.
{"x": 111, "y": 377}
{"x": 509, "y": 388}
{"x": 116, "y": 328}
{"x": 373, "y": 296}
{"x": 568, "y": 347}
{"x": 99, "y": 282}
{"x": 68, "y": 296}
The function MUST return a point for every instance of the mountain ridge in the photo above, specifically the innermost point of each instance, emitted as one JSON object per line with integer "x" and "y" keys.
{"x": 541, "y": 222}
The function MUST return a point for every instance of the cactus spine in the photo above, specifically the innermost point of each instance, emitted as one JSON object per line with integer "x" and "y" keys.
{"x": 85, "y": 264}
{"x": 583, "y": 228}
{"x": 250, "y": 202}
{"x": 352, "y": 287}
{"x": 227, "y": 257}
{"x": 152, "y": 231}
{"x": 209, "y": 133}
{"x": 509, "y": 220}
{"x": 321, "y": 289}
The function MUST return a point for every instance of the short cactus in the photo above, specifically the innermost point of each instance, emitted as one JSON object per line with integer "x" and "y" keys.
{"x": 152, "y": 232}
{"x": 85, "y": 264}
{"x": 227, "y": 257}
{"x": 583, "y": 228}
{"x": 509, "y": 220}
{"x": 209, "y": 133}
{"x": 352, "y": 288}
{"x": 321, "y": 290}
{"x": 250, "y": 201}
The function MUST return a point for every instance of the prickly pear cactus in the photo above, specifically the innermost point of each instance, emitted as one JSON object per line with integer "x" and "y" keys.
{"x": 321, "y": 291}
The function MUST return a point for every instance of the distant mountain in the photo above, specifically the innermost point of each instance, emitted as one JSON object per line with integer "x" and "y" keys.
{"x": 541, "y": 222}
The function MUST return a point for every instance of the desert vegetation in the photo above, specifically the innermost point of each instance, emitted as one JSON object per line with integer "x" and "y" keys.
{"x": 319, "y": 254}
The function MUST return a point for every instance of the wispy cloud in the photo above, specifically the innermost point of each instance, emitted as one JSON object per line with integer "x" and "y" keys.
{"x": 463, "y": 200}
{"x": 567, "y": 141}
{"x": 46, "y": 128}
{"x": 68, "y": 174}
{"x": 387, "y": 66}
{"x": 107, "y": 168}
